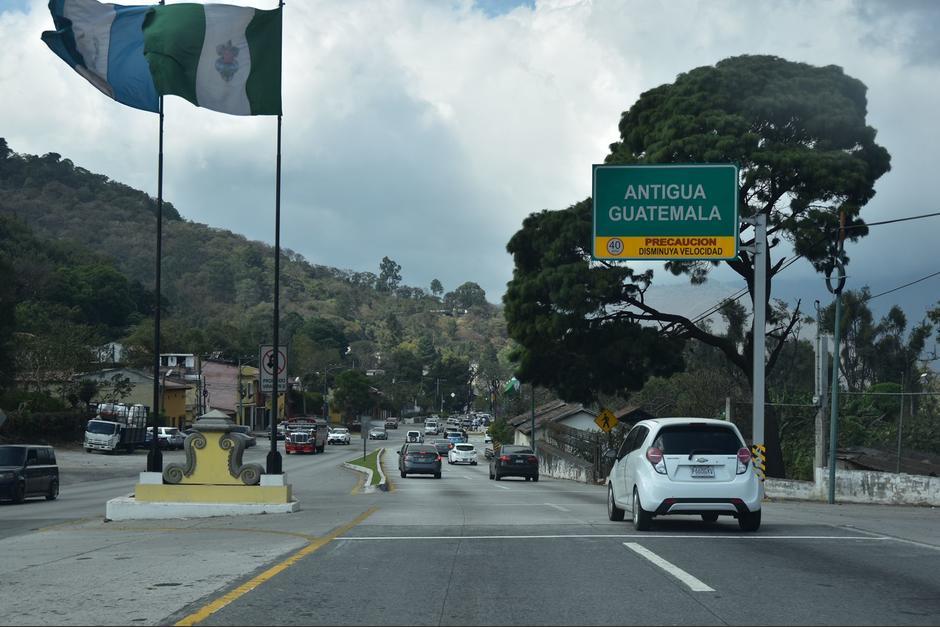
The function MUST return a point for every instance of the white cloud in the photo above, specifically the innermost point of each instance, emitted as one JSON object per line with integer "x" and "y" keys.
{"x": 427, "y": 131}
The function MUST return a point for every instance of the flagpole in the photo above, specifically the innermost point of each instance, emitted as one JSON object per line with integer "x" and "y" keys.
{"x": 274, "y": 456}
{"x": 155, "y": 457}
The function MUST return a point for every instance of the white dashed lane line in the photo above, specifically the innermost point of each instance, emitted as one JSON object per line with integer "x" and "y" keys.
{"x": 558, "y": 507}
{"x": 694, "y": 584}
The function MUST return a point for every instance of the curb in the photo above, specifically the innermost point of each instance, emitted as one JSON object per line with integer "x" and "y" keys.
{"x": 367, "y": 486}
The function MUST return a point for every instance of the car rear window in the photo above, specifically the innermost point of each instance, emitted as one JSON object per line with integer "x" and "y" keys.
{"x": 523, "y": 450}
{"x": 12, "y": 456}
{"x": 424, "y": 448}
{"x": 697, "y": 437}
{"x": 464, "y": 447}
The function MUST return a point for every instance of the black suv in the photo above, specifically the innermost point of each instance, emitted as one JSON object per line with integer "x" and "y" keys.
{"x": 28, "y": 470}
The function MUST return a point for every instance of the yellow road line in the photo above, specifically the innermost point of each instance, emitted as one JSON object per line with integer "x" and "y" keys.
{"x": 213, "y": 607}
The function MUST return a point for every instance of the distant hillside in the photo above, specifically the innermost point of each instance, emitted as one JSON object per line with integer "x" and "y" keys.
{"x": 218, "y": 285}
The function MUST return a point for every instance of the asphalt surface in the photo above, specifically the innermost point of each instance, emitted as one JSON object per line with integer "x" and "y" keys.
{"x": 457, "y": 550}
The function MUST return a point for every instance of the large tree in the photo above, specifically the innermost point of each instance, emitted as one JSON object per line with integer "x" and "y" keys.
{"x": 799, "y": 137}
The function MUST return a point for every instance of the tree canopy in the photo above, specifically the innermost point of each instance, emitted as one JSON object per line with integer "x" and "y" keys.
{"x": 799, "y": 137}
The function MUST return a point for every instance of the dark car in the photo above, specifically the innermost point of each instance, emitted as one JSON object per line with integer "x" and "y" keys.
{"x": 391, "y": 423}
{"x": 514, "y": 461}
{"x": 421, "y": 459}
{"x": 245, "y": 430}
{"x": 28, "y": 470}
{"x": 442, "y": 446}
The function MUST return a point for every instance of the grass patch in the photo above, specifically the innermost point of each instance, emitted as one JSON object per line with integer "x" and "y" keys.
{"x": 370, "y": 462}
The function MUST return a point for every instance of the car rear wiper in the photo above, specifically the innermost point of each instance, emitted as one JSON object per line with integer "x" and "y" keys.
{"x": 700, "y": 450}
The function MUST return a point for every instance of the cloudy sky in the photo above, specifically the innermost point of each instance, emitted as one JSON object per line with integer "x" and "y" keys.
{"x": 427, "y": 130}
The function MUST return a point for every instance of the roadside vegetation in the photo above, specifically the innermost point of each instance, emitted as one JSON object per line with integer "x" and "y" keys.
{"x": 370, "y": 461}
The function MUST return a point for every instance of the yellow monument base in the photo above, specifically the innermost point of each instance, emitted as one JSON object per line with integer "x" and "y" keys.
{"x": 183, "y": 493}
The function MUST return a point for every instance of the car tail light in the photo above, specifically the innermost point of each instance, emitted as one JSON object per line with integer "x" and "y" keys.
{"x": 744, "y": 458}
{"x": 533, "y": 459}
{"x": 504, "y": 458}
{"x": 450, "y": 446}
{"x": 655, "y": 457}
{"x": 439, "y": 458}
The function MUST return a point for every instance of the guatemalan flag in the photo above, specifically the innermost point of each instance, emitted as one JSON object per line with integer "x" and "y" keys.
{"x": 104, "y": 43}
{"x": 222, "y": 57}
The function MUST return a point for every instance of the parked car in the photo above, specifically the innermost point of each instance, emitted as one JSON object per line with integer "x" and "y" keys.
{"x": 338, "y": 435}
{"x": 442, "y": 446}
{"x": 378, "y": 433}
{"x": 419, "y": 459}
{"x": 245, "y": 431}
{"x": 28, "y": 470}
{"x": 414, "y": 436}
{"x": 514, "y": 461}
{"x": 462, "y": 454}
{"x": 167, "y": 437}
{"x": 671, "y": 466}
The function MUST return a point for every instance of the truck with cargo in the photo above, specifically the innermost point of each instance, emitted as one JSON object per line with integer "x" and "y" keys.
{"x": 117, "y": 426}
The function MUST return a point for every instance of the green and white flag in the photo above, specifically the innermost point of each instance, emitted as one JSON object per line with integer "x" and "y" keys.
{"x": 218, "y": 56}
{"x": 512, "y": 386}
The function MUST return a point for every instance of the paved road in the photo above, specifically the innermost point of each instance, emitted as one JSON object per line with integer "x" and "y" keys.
{"x": 467, "y": 550}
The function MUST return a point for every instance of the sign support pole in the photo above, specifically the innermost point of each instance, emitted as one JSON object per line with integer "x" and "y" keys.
{"x": 760, "y": 322}
{"x": 155, "y": 456}
{"x": 758, "y": 342}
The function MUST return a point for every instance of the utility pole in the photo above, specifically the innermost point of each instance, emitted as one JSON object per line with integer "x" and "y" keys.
{"x": 834, "y": 407}
{"x": 900, "y": 422}
{"x": 238, "y": 390}
{"x": 822, "y": 395}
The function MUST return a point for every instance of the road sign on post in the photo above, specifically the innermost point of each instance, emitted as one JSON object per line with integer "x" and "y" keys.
{"x": 606, "y": 421}
{"x": 662, "y": 212}
{"x": 273, "y": 366}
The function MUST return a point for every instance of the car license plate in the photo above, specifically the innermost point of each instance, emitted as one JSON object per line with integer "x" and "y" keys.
{"x": 520, "y": 461}
{"x": 703, "y": 471}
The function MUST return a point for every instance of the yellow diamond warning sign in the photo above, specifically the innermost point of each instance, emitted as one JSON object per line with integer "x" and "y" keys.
{"x": 606, "y": 420}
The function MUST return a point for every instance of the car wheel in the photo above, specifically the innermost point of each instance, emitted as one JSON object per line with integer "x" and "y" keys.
{"x": 642, "y": 519}
{"x": 473, "y": 463}
{"x": 749, "y": 521}
{"x": 497, "y": 476}
{"x": 88, "y": 450}
{"x": 535, "y": 478}
{"x": 491, "y": 475}
{"x": 613, "y": 512}
{"x": 437, "y": 475}
{"x": 286, "y": 452}
{"x": 53, "y": 490}
{"x": 710, "y": 517}
{"x": 403, "y": 474}
{"x": 20, "y": 493}
{"x": 528, "y": 478}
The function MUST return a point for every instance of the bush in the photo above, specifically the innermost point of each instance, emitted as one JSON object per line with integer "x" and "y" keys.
{"x": 44, "y": 427}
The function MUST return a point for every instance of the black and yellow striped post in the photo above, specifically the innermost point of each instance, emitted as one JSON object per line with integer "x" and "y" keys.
{"x": 759, "y": 454}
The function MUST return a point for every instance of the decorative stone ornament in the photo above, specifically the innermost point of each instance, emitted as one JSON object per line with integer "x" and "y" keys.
{"x": 213, "y": 456}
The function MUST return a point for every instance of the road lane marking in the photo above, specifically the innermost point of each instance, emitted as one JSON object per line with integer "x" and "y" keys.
{"x": 502, "y": 487}
{"x": 558, "y": 507}
{"x": 213, "y": 607}
{"x": 618, "y": 536}
{"x": 696, "y": 585}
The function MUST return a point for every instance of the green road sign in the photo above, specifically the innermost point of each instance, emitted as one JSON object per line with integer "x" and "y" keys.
{"x": 658, "y": 212}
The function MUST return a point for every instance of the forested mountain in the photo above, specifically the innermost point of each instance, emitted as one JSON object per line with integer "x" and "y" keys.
{"x": 77, "y": 241}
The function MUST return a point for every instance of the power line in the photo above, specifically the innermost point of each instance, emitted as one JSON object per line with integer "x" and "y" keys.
{"x": 715, "y": 308}
{"x": 901, "y": 287}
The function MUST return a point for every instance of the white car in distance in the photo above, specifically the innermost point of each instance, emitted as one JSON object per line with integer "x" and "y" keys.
{"x": 338, "y": 435}
{"x": 691, "y": 466}
{"x": 462, "y": 454}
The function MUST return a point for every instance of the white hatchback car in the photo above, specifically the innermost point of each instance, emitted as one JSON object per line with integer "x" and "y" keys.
{"x": 684, "y": 466}
{"x": 462, "y": 454}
